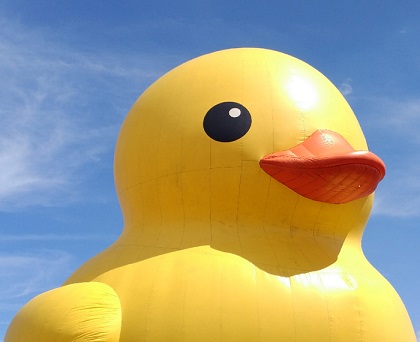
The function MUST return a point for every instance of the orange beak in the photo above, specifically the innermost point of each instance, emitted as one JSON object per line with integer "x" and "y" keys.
{"x": 326, "y": 168}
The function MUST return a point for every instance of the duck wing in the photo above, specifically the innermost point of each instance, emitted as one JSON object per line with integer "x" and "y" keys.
{"x": 88, "y": 311}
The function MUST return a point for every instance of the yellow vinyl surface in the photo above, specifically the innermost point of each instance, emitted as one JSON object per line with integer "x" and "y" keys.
{"x": 213, "y": 248}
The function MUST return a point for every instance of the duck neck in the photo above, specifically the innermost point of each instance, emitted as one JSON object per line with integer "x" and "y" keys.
{"x": 284, "y": 234}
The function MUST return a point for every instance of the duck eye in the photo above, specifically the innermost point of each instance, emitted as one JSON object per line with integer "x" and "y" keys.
{"x": 227, "y": 121}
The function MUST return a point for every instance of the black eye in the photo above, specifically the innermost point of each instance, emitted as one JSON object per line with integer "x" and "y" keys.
{"x": 227, "y": 121}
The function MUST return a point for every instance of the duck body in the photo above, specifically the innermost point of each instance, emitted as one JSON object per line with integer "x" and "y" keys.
{"x": 227, "y": 239}
{"x": 203, "y": 294}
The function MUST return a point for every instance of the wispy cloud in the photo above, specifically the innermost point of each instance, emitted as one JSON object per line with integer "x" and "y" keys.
{"x": 60, "y": 111}
{"x": 394, "y": 123}
{"x": 399, "y": 194}
{"x": 52, "y": 237}
{"x": 345, "y": 87}
{"x": 31, "y": 272}
{"x": 24, "y": 275}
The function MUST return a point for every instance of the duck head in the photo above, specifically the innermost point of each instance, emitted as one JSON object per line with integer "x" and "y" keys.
{"x": 250, "y": 151}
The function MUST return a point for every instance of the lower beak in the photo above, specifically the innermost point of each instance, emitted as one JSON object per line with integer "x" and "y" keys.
{"x": 326, "y": 168}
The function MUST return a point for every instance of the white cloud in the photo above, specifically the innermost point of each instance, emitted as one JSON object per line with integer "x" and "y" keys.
{"x": 403, "y": 118}
{"x": 60, "y": 111}
{"x": 397, "y": 118}
{"x": 31, "y": 273}
{"x": 24, "y": 275}
{"x": 52, "y": 237}
{"x": 399, "y": 193}
{"x": 394, "y": 124}
{"x": 345, "y": 87}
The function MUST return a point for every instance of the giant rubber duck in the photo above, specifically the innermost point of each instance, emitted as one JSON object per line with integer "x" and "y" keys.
{"x": 245, "y": 183}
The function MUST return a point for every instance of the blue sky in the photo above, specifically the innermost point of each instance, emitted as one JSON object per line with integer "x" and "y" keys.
{"x": 70, "y": 71}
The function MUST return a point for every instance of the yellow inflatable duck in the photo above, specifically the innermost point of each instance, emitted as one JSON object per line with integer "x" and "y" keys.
{"x": 245, "y": 184}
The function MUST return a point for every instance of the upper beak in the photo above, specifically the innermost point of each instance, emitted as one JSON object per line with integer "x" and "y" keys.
{"x": 326, "y": 168}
